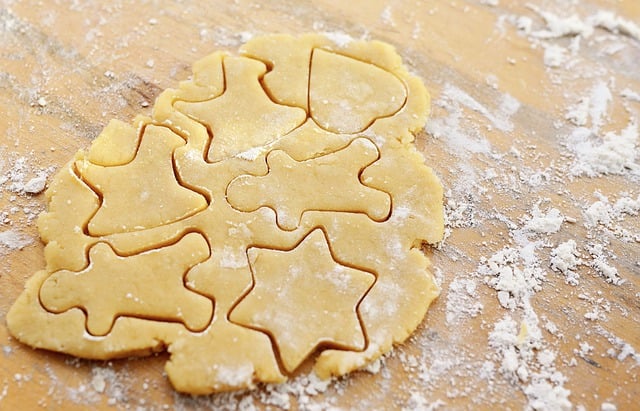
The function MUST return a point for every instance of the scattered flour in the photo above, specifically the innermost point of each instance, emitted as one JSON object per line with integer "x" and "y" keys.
{"x": 621, "y": 349}
{"x": 500, "y": 118}
{"x": 523, "y": 358}
{"x": 5, "y": 390}
{"x": 600, "y": 264}
{"x": 492, "y": 3}
{"x": 611, "y": 154}
{"x": 593, "y": 107}
{"x": 13, "y": 240}
{"x": 565, "y": 259}
{"x": 462, "y": 300}
{"x": 36, "y": 184}
{"x": 417, "y": 402}
{"x": 554, "y": 56}
{"x": 20, "y": 181}
{"x": 461, "y": 140}
{"x": 544, "y": 223}
{"x": 520, "y": 343}
{"x": 19, "y": 178}
{"x": 300, "y": 393}
{"x": 224, "y": 37}
{"x": 516, "y": 273}
{"x": 578, "y": 114}
{"x": 98, "y": 381}
{"x": 603, "y": 214}
{"x": 574, "y": 25}
{"x": 341, "y": 38}
{"x": 630, "y": 95}
{"x": 459, "y": 130}
{"x": 507, "y": 272}
{"x": 596, "y": 155}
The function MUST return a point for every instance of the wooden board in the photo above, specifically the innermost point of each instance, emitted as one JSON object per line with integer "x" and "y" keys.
{"x": 66, "y": 69}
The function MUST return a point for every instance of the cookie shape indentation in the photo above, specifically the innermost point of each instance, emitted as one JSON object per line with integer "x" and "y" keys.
{"x": 319, "y": 299}
{"x": 124, "y": 286}
{"x": 243, "y": 117}
{"x": 148, "y": 184}
{"x": 325, "y": 183}
{"x": 346, "y": 95}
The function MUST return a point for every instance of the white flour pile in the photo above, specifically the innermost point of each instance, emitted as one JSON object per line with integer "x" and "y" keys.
{"x": 576, "y": 245}
{"x": 19, "y": 181}
{"x": 523, "y": 341}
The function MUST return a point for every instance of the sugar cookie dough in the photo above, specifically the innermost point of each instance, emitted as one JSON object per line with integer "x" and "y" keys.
{"x": 270, "y": 211}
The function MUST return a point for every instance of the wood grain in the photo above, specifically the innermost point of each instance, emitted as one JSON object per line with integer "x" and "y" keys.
{"x": 92, "y": 61}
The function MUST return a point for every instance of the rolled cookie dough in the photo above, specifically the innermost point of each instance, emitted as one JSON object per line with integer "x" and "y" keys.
{"x": 270, "y": 211}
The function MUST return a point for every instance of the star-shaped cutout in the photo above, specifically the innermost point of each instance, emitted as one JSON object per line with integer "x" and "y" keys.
{"x": 304, "y": 298}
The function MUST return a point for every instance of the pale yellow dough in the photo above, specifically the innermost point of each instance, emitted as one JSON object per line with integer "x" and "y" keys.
{"x": 271, "y": 209}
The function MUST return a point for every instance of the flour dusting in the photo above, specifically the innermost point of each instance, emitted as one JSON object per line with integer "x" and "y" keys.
{"x": 537, "y": 145}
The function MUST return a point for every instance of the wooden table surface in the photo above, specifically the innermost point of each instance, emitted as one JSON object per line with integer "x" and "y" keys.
{"x": 504, "y": 83}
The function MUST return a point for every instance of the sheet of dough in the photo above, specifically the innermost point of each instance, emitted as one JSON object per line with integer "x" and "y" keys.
{"x": 273, "y": 207}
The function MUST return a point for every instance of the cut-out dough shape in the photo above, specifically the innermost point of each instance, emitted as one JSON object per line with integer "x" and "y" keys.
{"x": 326, "y": 183}
{"x": 346, "y": 95}
{"x": 147, "y": 285}
{"x": 283, "y": 183}
{"x": 147, "y": 184}
{"x": 316, "y": 299}
{"x": 243, "y": 117}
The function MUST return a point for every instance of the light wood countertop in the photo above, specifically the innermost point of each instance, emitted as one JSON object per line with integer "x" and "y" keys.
{"x": 500, "y": 138}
